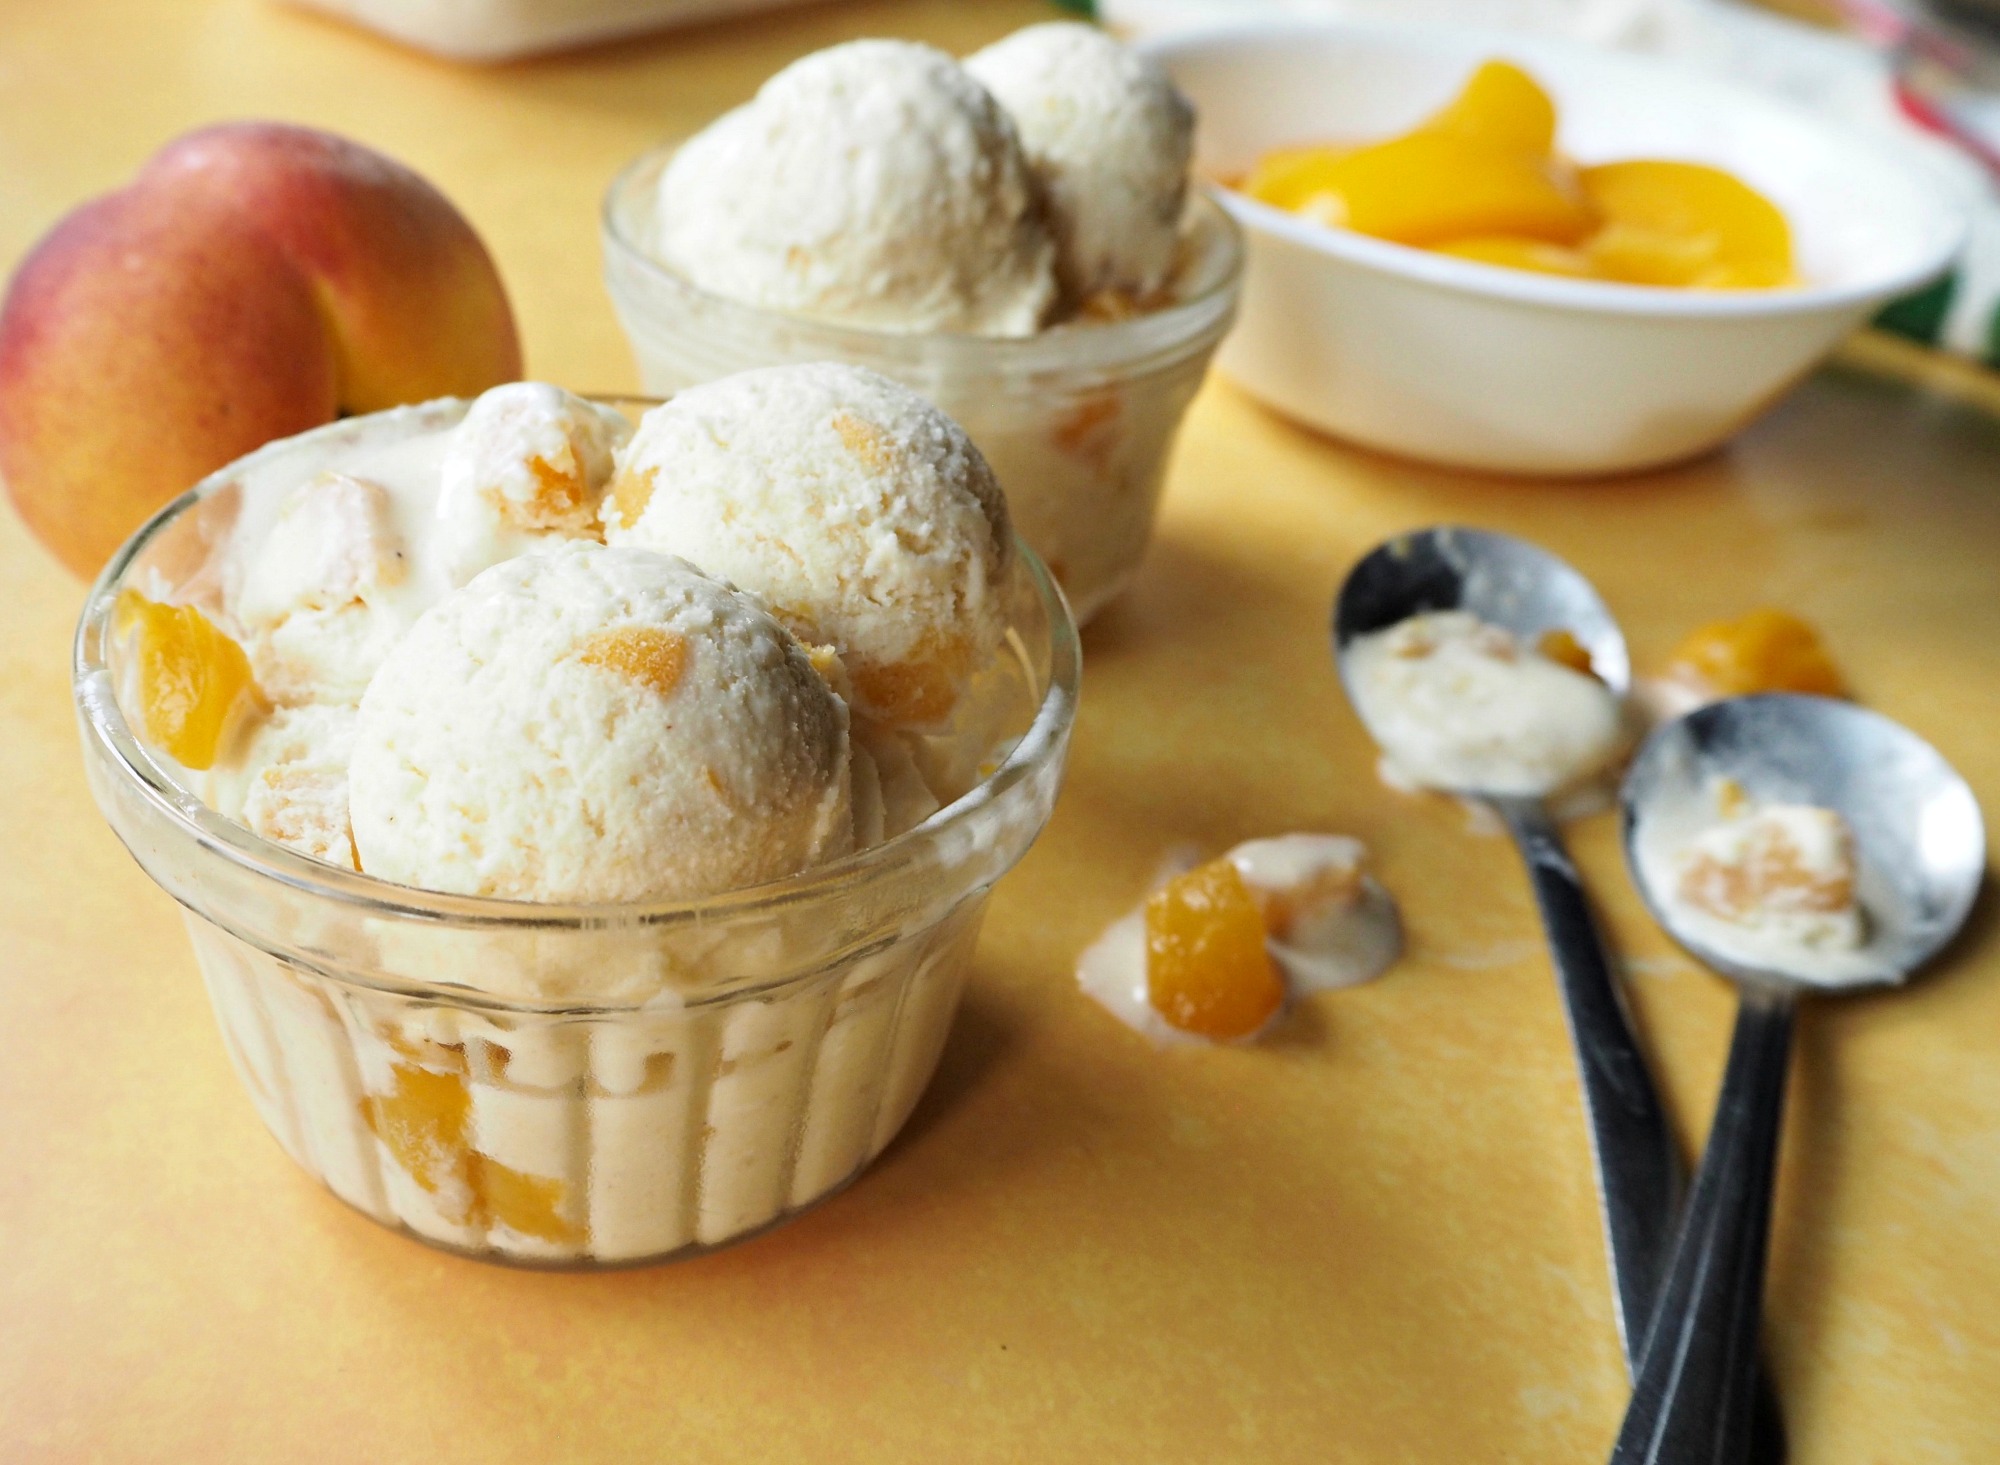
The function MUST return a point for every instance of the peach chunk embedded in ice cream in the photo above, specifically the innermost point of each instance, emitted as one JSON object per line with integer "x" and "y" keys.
{"x": 861, "y": 514}
{"x": 1215, "y": 951}
{"x": 192, "y": 683}
{"x": 426, "y": 1124}
{"x": 529, "y": 462}
{"x": 594, "y": 725}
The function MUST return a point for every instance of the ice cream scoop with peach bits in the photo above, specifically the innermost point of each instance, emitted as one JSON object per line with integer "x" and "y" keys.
{"x": 320, "y": 555}
{"x": 1215, "y": 953}
{"x": 1482, "y": 179}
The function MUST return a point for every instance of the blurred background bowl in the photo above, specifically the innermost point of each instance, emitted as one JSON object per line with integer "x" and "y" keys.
{"x": 1476, "y": 366}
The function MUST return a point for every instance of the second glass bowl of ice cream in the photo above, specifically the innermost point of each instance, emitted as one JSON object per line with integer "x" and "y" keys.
{"x": 1077, "y": 420}
{"x": 452, "y": 1066}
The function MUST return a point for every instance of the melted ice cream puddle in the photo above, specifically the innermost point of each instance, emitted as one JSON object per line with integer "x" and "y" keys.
{"x": 1327, "y": 924}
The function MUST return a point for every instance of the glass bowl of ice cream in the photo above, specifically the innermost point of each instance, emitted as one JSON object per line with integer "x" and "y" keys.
{"x": 1014, "y": 237}
{"x": 562, "y": 902}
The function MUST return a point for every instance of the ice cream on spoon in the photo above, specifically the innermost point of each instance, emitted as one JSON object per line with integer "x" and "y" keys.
{"x": 1439, "y": 638}
{"x": 1795, "y": 844}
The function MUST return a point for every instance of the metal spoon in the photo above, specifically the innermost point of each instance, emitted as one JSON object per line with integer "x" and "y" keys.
{"x": 1920, "y": 851}
{"x": 1527, "y": 590}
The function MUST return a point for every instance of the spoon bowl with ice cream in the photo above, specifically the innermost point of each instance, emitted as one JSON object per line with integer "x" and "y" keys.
{"x": 1795, "y": 844}
{"x": 1486, "y": 667}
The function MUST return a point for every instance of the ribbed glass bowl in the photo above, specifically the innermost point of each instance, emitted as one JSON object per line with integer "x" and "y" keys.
{"x": 766, "y": 1044}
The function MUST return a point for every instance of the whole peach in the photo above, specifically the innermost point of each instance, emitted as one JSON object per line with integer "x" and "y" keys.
{"x": 142, "y": 345}
{"x": 255, "y": 280}
{"x": 416, "y": 307}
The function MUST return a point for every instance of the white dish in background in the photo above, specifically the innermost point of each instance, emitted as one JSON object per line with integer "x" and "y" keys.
{"x": 1477, "y": 366}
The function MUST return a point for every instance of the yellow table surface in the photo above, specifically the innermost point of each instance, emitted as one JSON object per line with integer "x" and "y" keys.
{"x": 1371, "y": 1238}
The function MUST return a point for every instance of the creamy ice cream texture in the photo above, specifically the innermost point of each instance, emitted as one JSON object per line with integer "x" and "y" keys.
{"x": 1773, "y": 885}
{"x": 874, "y": 182}
{"x": 576, "y": 722}
{"x": 1460, "y": 705}
{"x": 883, "y": 184}
{"x": 289, "y": 781}
{"x": 862, "y": 515}
{"x": 1109, "y": 138}
{"x": 595, "y": 725}
{"x": 398, "y": 514}
{"x": 529, "y": 463}
{"x": 318, "y": 600}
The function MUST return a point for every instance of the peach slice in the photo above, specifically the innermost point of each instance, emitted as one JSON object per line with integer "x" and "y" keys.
{"x": 1501, "y": 106}
{"x": 1518, "y": 254}
{"x": 1480, "y": 168}
{"x": 1687, "y": 224}
{"x": 1433, "y": 186}
{"x": 1481, "y": 180}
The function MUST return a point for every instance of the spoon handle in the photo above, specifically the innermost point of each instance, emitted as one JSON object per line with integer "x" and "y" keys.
{"x": 1692, "y": 1399}
{"x": 1638, "y": 1167}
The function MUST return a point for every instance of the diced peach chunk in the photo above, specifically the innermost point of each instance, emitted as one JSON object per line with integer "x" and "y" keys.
{"x": 1764, "y": 651}
{"x": 193, "y": 681}
{"x": 1207, "y": 970}
{"x": 426, "y": 1125}
{"x": 529, "y": 1204}
{"x": 1562, "y": 647}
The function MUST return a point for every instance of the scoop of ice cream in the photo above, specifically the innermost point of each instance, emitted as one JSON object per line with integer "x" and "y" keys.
{"x": 529, "y": 462}
{"x": 874, "y": 183}
{"x": 862, "y": 515}
{"x": 289, "y": 781}
{"x": 1109, "y": 137}
{"x": 593, "y": 724}
{"x": 315, "y": 601}
{"x": 1461, "y": 705}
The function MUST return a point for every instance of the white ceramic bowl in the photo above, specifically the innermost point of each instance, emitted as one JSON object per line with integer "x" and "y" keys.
{"x": 1481, "y": 367}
